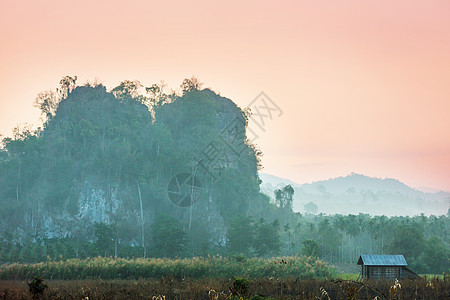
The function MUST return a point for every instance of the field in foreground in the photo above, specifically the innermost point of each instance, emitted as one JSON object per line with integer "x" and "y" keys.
{"x": 262, "y": 288}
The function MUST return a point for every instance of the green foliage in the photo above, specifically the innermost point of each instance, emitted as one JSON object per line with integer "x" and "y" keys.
{"x": 436, "y": 256}
{"x": 310, "y": 248}
{"x": 240, "y": 286}
{"x": 198, "y": 240}
{"x": 104, "y": 236}
{"x": 168, "y": 237}
{"x": 284, "y": 197}
{"x": 37, "y": 287}
{"x": 195, "y": 267}
{"x": 408, "y": 239}
{"x": 129, "y": 91}
{"x": 267, "y": 239}
{"x": 240, "y": 235}
{"x": 329, "y": 238}
{"x": 190, "y": 85}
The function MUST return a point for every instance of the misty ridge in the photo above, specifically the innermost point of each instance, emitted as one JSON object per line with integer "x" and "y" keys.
{"x": 356, "y": 193}
{"x": 141, "y": 171}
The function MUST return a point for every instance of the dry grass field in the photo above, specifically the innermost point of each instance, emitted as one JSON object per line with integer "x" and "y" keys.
{"x": 236, "y": 288}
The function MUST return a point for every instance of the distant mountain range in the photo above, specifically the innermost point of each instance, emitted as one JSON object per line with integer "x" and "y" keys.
{"x": 358, "y": 193}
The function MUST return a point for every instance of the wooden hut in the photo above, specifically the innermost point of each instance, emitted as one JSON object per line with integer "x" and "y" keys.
{"x": 385, "y": 267}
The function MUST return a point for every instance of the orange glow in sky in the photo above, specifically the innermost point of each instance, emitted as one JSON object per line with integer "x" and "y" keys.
{"x": 364, "y": 85}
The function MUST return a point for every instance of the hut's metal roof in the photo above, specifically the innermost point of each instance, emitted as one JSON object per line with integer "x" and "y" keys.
{"x": 382, "y": 260}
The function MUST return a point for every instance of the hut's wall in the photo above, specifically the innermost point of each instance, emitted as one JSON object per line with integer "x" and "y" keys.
{"x": 407, "y": 273}
{"x": 392, "y": 272}
{"x": 385, "y": 272}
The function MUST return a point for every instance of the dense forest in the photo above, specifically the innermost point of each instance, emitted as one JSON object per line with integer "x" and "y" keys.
{"x": 146, "y": 172}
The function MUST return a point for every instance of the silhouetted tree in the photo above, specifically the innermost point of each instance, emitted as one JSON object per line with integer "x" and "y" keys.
{"x": 190, "y": 85}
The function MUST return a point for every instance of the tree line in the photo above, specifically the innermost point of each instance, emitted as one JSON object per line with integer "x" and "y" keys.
{"x": 337, "y": 239}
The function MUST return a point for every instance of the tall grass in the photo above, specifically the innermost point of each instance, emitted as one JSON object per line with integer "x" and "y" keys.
{"x": 197, "y": 267}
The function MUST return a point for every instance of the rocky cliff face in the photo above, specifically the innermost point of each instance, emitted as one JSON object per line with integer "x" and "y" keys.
{"x": 103, "y": 159}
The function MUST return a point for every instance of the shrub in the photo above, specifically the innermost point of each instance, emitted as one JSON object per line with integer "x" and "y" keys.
{"x": 240, "y": 286}
{"x": 37, "y": 287}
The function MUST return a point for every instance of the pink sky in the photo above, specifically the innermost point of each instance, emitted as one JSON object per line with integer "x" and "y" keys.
{"x": 364, "y": 85}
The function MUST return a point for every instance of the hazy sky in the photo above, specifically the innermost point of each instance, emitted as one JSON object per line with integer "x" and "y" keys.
{"x": 364, "y": 85}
